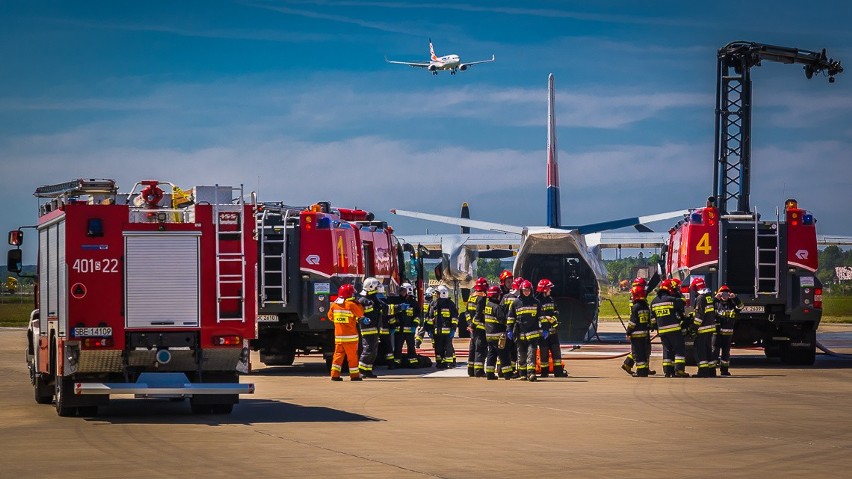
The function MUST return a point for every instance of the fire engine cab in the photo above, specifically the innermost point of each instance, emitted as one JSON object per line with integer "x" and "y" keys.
{"x": 148, "y": 293}
{"x": 305, "y": 254}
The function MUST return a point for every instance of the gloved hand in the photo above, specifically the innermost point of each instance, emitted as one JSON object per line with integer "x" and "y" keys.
{"x": 545, "y": 333}
{"x": 510, "y": 335}
{"x": 452, "y": 333}
{"x": 403, "y": 307}
{"x": 365, "y": 321}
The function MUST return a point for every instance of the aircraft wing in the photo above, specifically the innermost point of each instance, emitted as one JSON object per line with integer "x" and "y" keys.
{"x": 615, "y": 224}
{"x": 834, "y": 240}
{"x": 608, "y": 239}
{"x": 478, "y": 62}
{"x": 411, "y": 64}
{"x": 452, "y": 220}
{"x": 478, "y": 242}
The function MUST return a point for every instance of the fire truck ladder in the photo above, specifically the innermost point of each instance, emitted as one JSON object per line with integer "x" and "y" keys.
{"x": 766, "y": 258}
{"x": 223, "y": 257}
{"x": 273, "y": 275}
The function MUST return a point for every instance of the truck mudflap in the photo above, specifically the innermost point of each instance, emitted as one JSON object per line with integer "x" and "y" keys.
{"x": 163, "y": 385}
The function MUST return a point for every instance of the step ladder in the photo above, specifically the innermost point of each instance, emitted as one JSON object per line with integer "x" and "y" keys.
{"x": 225, "y": 281}
{"x": 766, "y": 258}
{"x": 272, "y": 236}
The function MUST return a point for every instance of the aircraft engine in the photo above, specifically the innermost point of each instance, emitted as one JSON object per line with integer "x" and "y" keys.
{"x": 432, "y": 68}
{"x": 462, "y": 67}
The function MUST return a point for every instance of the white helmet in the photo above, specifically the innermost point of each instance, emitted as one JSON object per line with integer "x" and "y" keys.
{"x": 443, "y": 291}
{"x": 370, "y": 284}
{"x": 408, "y": 288}
{"x": 429, "y": 292}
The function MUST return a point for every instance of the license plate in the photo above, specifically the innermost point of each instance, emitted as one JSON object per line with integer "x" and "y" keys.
{"x": 752, "y": 309}
{"x": 267, "y": 318}
{"x": 92, "y": 332}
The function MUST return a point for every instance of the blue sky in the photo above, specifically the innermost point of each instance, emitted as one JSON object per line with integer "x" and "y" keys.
{"x": 295, "y": 100}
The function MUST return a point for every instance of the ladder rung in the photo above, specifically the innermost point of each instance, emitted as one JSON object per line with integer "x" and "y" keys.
{"x": 230, "y": 297}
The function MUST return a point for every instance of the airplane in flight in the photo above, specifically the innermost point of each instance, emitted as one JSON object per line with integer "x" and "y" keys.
{"x": 566, "y": 255}
{"x": 447, "y": 62}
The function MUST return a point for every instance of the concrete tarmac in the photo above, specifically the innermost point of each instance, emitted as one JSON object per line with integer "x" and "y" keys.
{"x": 767, "y": 420}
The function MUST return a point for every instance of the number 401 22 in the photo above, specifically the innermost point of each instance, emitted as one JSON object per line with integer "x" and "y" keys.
{"x": 95, "y": 265}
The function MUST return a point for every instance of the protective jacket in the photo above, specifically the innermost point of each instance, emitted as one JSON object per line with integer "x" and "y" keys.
{"x": 727, "y": 307}
{"x": 408, "y": 320}
{"x": 705, "y": 312}
{"x": 445, "y": 316}
{"x": 475, "y": 311}
{"x": 524, "y": 316}
{"x": 494, "y": 319}
{"x": 666, "y": 313}
{"x": 345, "y": 314}
{"x": 549, "y": 315}
{"x": 372, "y": 315}
{"x": 640, "y": 319}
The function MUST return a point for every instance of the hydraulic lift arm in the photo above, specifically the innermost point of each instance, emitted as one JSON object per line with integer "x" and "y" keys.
{"x": 731, "y": 178}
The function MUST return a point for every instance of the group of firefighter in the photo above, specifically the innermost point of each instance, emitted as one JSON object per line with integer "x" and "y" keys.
{"x": 711, "y": 325}
{"x": 508, "y": 323}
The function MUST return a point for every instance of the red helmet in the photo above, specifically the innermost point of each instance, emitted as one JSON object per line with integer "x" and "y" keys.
{"x": 481, "y": 285}
{"x": 505, "y": 274}
{"x": 525, "y": 284}
{"x": 639, "y": 281}
{"x": 543, "y": 284}
{"x": 637, "y": 293}
{"x": 697, "y": 284}
{"x": 724, "y": 288}
{"x": 494, "y": 292}
{"x": 346, "y": 291}
{"x": 666, "y": 286}
{"x": 516, "y": 284}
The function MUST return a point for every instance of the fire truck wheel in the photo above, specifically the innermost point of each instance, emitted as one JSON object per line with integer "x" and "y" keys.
{"x": 62, "y": 392}
{"x": 43, "y": 392}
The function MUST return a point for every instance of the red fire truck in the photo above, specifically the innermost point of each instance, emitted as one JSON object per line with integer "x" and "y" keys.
{"x": 769, "y": 263}
{"x": 148, "y": 293}
{"x": 305, "y": 254}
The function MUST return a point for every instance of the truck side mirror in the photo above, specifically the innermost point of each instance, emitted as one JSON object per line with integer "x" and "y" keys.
{"x": 16, "y": 237}
{"x": 14, "y": 261}
{"x": 438, "y": 273}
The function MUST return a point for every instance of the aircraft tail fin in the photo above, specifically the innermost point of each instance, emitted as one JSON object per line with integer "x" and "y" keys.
{"x": 432, "y": 51}
{"x": 553, "y": 206}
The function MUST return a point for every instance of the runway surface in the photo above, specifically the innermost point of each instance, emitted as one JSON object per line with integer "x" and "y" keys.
{"x": 768, "y": 419}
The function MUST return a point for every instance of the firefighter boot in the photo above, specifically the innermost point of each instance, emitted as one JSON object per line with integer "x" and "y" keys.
{"x": 723, "y": 370}
{"x": 642, "y": 372}
{"x": 490, "y": 376}
{"x": 336, "y": 378}
{"x": 559, "y": 372}
{"x": 627, "y": 368}
{"x": 531, "y": 378}
{"x": 680, "y": 373}
{"x": 355, "y": 378}
{"x": 470, "y": 370}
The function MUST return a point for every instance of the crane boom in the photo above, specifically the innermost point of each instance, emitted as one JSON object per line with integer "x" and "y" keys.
{"x": 731, "y": 177}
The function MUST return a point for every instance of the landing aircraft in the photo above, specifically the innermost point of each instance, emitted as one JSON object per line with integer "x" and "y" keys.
{"x": 446, "y": 62}
{"x": 568, "y": 255}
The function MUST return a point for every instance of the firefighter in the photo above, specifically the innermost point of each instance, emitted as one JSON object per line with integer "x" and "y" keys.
{"x": 387, "y": 328}
{"x": 523, "y": 326}
{"x": 476, "y": 325}
{"x": 345, "y": 312}
{"x": 629, "y": 361}
{"x": 638, "y": 332}
{"x": 369, "y": 326}
{"x": 495, "y": 336}
{"x": 705, "y": 321}
{"x": 727, "y": 306}
{"x": 506, "y": 301}
{"x": 429, "y": 296}
{"x": 446, "y": 318}
{"x": 549, "y": 336}
{"x": 666, "y": 314}
{"x": 408, "y": 320}
{"x": 506, "y": 279}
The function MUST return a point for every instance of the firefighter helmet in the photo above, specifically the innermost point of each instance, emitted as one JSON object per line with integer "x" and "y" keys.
{"x": 430, "y": 291}
{"x": 637, "y": 293}
{"x": 481, "y": 285}
{"x": 639, "y": 281}
{"x": 443, "y": 291}
{"x": 525, "y": 284}
{"x": 371, "y": 285}
{"x": 505, "y": 274}
{"x": 408, "y": 288}
{"x": 697, "y": 284}
{"x": 724, "y": 289}
{"x": 346, "y": 291}
{"x": 675, "y": 282}
{"x": 516, "y": 283}
{"x": 544, "y": 284}
{"x": 666, "y": 286}
{"x": 494, "y": 292}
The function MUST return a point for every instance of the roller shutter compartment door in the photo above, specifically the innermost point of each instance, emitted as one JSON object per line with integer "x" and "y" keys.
{"x": 161, "y": 281}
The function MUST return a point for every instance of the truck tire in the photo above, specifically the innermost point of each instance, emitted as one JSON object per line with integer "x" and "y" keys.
{"x": 43, "y": 391}
{"x": 801, "y": 356}
{"x": 63, "y": 391}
